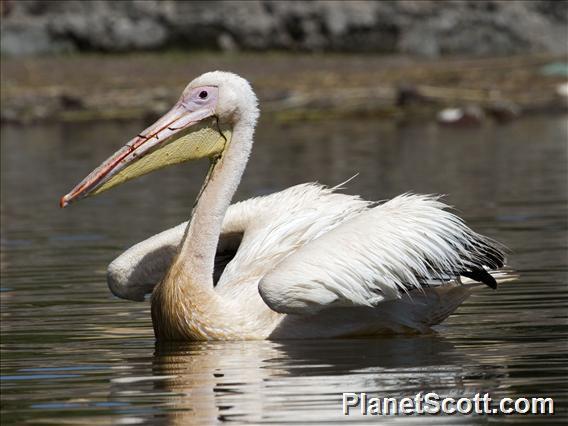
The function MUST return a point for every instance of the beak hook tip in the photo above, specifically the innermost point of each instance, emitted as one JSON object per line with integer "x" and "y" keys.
{"x": 63, "y": 202}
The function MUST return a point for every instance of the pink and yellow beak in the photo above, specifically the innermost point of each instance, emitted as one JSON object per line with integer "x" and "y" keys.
{"x": 182, "y": 134}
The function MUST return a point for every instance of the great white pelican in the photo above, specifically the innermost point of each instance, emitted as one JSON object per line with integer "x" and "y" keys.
{"x": 306, "y": 262}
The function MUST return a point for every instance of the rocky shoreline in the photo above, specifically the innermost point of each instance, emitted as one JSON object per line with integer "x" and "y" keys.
{"x": 290, "y": 86}
{"x": 425, "y": 28}
{"x": 80, "y": 60}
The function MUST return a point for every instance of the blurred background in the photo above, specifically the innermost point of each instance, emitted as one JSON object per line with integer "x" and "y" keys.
{"x": 73, "y": 59}
{"x": 462, "y": 98}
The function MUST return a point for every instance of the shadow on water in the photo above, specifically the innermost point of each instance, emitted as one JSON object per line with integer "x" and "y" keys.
{"x": 73, "y": 354}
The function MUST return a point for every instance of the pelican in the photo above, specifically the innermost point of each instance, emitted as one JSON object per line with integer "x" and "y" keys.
{"x": 306, "y": 262}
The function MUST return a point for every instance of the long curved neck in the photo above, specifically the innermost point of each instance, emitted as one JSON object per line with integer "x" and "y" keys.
{"x": 185, "y": 305}
{"x": 197, "y": 251}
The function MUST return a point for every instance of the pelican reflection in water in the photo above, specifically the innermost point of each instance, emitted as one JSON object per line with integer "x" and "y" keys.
{"x": 306, "y": 262}
{"x": 263, "y": 382}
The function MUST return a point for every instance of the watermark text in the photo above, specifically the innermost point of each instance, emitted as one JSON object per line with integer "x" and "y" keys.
{"x": 432, "y": 403}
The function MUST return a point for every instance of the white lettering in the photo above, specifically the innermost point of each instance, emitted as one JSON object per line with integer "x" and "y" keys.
{"x": 390, "y": 406}
{"x": 406, "y": 406}
{"x": 431, "y": 400}
{"x": 504, "y": 405}
{"x": 432, "y": 403}
{"x": 374, "y": 406}
{"x": 350, "y": 399}
{"x": 418, "y": 401}
{"x": 450, "y": 409}
{"x": 545, "y": 406}
{"x": 522, "y": 410}
{"x": 464, "y": 406}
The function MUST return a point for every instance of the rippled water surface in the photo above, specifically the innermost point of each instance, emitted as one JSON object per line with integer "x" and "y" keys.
{"x": 73, "y": 354}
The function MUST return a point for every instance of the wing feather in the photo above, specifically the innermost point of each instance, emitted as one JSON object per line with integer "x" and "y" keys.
{"x": 256, "y": 234}
{"x": 380, "y": 255}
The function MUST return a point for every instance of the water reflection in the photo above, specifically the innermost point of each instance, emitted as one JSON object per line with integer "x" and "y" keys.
{"x": 263, "y": 381}
{"x": 72, "y": 354}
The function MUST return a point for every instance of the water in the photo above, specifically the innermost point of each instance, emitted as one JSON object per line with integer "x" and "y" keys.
{"x": 73, "y": 354}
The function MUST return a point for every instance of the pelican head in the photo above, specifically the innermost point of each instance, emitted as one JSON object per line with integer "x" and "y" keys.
{"x": 199, "y": 125}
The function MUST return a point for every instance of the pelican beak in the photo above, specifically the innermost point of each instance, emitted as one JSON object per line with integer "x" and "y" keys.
{"x": 180, "y": 135}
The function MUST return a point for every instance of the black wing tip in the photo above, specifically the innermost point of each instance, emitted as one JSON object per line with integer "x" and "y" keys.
{"x": 482, "y": 276}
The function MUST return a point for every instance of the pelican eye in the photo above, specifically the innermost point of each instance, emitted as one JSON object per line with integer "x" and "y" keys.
{"x": 203, "y": 94}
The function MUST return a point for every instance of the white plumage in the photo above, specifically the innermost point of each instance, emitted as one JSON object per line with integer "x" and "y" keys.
{"x": 308, "y": 248}
{"x": 377, "y": 256}
{"x": 303, "y": 262}
{"x": 272, "y": 227}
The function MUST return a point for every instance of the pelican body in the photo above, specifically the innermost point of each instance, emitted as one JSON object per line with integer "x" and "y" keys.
{"x": 307, "y": 262}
